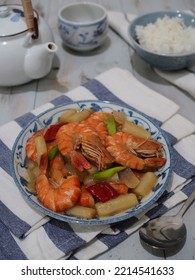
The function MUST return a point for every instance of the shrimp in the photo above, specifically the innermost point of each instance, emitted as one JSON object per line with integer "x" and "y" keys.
{"x": 57, "y": 169}
{"x": 121, "y": 188}
{"x": 86, "y": 199}
{"x": 56, "y": 197}
{"x": 127, "y": 150}
{"x": 97, "y": 122}
{"x": 74, "y": 136}
{"x": 31, "y": 150}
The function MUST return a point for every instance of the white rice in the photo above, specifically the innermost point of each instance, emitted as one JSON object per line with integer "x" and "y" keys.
{"x": 167, "y": 36}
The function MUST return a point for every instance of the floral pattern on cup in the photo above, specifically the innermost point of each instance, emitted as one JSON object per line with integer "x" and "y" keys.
{"x": 83, "y": 37}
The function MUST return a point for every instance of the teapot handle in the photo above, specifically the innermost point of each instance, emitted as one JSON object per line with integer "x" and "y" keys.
{"x": 36, "y": 29}
{"x": 31, "y": 20}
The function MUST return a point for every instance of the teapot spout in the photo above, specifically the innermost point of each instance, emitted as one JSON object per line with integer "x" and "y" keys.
{"x": 38, "y": 60}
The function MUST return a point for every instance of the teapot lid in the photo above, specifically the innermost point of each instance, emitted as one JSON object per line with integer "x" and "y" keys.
{"x": 12, "y": 20}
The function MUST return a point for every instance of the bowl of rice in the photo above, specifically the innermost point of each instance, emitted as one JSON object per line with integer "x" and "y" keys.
{"x": 165, "y": 39}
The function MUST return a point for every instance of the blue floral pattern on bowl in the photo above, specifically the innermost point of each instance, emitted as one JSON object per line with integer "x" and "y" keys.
{"x": 83, "y": 37}
{"x": 18, "y": 163}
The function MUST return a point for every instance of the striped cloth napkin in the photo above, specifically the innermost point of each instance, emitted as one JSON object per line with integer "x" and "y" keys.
{"x": 27, "y": 234}
{"x": 183, "y": 79}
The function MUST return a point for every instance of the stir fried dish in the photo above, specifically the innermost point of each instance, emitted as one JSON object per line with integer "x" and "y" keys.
{"x": 92, "y": 164}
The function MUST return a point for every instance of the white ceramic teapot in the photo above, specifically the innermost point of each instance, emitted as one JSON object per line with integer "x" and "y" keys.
{"x": 24, "y": 56}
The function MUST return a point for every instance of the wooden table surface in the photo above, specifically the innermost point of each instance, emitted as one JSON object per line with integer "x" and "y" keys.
{"x": 70, "y": 69}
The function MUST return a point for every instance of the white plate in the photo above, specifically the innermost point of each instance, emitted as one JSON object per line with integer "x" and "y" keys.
{"x": 50, "y": 116}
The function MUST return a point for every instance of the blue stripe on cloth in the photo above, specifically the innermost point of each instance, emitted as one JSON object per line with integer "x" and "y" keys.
{"x": 62, "y": 235}
{"x": 172, "y": 139}
{"x": 103, "y": 93}
{"x": 9, "y": 250}
{"x": 181, "y": 166}
{"x": 15, "y": 224}
{"x": 5, "y": 155}
{"x": 189, "y": 188}
{"x": 63, "y": 99}
{"x": 125, "y": 224}
{"x": 158, "y": 210}
{"x": 112, "y": 240}
{"x": 25, "y": 119}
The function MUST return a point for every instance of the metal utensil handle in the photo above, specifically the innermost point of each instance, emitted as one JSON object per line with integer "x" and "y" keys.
{"x": 187, "y": 204}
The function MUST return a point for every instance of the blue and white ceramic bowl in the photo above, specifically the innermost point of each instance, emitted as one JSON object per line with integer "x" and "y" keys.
{"x": 83, "y": 26}
{"x": 162, "y": 61}
{"x": 18, "y": 162}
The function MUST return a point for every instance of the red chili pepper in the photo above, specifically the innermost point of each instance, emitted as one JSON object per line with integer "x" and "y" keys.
{"x": 102, "y": 191}
{"x": 51, "y": 132}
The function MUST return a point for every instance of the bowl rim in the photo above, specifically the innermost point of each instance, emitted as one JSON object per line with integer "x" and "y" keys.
{"x": 171, "y": 12}
{"x": 88, "y": 23}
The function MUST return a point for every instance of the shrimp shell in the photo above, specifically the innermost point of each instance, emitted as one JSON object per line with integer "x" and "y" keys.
{"x": 58, "y": 198}
{"x": 125, "y": 148}
{"x": 97, "y": 122}
{"x": 86, "y": 199}
{"x": 57, "y": 169}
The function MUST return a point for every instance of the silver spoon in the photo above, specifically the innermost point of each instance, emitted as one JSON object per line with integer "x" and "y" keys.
{"x": 167, "y": 231}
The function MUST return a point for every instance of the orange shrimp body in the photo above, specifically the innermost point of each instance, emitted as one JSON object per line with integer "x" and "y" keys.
{"x": 121, "y": 188}
{"x": 69, "y": 136}
{"x": 58, "y": 198}
{"x": 97, "y": 121}
{"x": 57, "y": 169}
{"x": 126, "y": 148}
{"x": 86, "y": 199}
{"x": 31, "y": 150}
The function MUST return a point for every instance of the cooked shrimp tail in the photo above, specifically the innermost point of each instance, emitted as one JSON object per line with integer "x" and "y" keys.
{"x": 121, "y": 188}
{"x": 86, "y": 199}
{"x": 58, "y": 197}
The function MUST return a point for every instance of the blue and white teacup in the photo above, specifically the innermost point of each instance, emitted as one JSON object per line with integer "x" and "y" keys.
{"x": 83, "y": 26}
